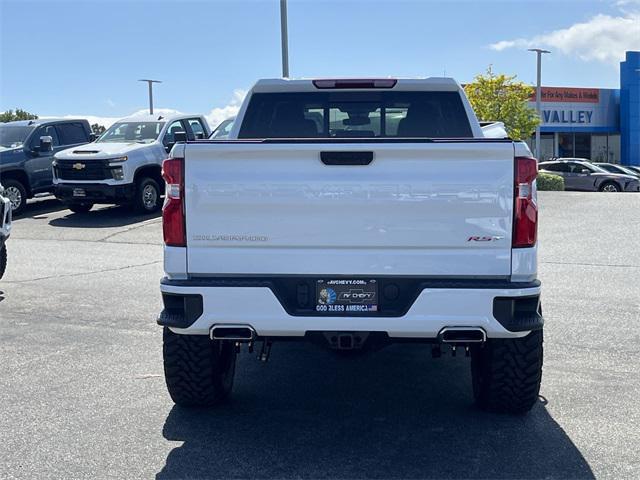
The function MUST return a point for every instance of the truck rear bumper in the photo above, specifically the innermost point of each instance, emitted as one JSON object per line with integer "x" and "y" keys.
{"x": 94, "y": 192}
{"x": 501, "y": 309}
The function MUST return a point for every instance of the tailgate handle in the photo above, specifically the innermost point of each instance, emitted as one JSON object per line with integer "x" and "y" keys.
{"x": 346, "y": 158}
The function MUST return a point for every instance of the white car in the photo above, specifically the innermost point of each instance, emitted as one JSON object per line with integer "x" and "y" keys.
{"x": 354, "y": 213}
{"x": 5, "y": 229}
{"x": 123, "y": 166}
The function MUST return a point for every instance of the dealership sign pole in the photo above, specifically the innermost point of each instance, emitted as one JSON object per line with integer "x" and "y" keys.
{"x": 539, "y": 53}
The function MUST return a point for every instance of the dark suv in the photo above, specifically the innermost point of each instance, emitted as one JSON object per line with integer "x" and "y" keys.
{"x": 26, "y": 153}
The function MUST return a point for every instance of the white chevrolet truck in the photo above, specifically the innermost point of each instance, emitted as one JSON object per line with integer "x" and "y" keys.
{"x": 123, "y": 166}
{"x": 356, "y": 214}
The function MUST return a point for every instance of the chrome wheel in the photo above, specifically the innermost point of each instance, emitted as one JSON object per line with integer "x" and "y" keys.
{"x": 149, "y": 197}
{"x": 14, "y": 195}
{"x": 610, "y": 187}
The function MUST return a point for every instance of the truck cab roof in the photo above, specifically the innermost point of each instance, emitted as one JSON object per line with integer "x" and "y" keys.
{"x": 158, "y": 117}
{"x": 41, "y": 121}
{"x": 398, "y": 84}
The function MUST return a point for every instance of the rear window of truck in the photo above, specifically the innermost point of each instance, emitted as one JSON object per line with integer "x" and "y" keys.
{"x": 355, "y": 114}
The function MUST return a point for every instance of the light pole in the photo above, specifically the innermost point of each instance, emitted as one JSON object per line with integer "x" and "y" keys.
{"x": 539, "y": 53}
{"x": 284, "y": 38}
{"x": 150, "y": 83}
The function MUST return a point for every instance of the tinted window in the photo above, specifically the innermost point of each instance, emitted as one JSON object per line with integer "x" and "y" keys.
{"x": 48, "y": 130}
{"x": 617, "y": 169}
{"x": 197, "y": 128}
{"x": 350, "y": 119}
{"x": 627, "y": 171}
{"x": 609, "y": 168}
{"x": 579, "y": 167}
{"x": 169, "y": 136}
{"x": 72, "y": 133}
{"x": 12, "y": 136}
{"x": 355, "y": 114}
{"x": 555, "y": 167}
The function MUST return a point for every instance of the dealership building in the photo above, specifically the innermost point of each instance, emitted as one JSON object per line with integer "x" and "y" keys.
{"x": 600, "y": 124}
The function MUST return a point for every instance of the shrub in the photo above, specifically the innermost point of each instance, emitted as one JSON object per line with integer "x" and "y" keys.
{"x": 550, "y": 182}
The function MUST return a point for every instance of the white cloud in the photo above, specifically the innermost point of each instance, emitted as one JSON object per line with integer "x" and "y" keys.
{"x": 214, "y": 117}
{"x": 108, "y": 121}
{"x": 219, "y": 114}
{"x": 603, "y": 38}
{"x": 623, "y": 4}
{"x": 160, "y": 112}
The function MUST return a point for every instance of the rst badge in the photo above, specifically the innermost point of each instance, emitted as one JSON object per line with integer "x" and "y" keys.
{"x": 489, "y": 238}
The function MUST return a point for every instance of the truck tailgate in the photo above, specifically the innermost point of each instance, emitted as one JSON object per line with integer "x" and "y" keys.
{"x": 420, "y": 208}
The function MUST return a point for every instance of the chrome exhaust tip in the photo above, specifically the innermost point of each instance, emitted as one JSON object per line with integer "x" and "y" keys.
{"x": 462, "y": 335}
{"x": 236, "y": 333}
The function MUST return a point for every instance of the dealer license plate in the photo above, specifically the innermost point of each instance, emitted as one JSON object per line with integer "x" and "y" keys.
{"x": 346, "y": 296}
{"x": 79, "y": 192}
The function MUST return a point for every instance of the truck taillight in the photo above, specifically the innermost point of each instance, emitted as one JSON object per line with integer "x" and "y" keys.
{"x": 525, "y": 208}
{"x": 173, "y": 227}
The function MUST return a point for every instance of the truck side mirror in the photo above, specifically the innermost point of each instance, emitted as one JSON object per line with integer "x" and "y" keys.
{"x": 93, "y": 137}
{"x": 46, "y": 144}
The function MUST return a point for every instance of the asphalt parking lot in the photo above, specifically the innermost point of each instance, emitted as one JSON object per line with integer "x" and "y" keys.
{"x": 82, "y": 393}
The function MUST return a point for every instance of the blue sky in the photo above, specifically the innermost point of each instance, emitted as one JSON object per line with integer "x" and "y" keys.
{"x": 84, "y": 57}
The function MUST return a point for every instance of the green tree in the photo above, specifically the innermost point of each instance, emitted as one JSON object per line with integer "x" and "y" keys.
{"x": 97, "y": 129}
{"x": 501, "y": 98}
{"x": 19, "y": 114}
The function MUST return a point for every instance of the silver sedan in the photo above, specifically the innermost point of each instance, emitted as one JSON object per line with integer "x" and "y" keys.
{"x": 584, "y": 176}
{"x": 613, "y": 168}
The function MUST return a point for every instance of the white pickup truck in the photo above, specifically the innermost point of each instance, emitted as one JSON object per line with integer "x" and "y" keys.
{"x": 355, "y": 213}
{"x": 123, "y": 166}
